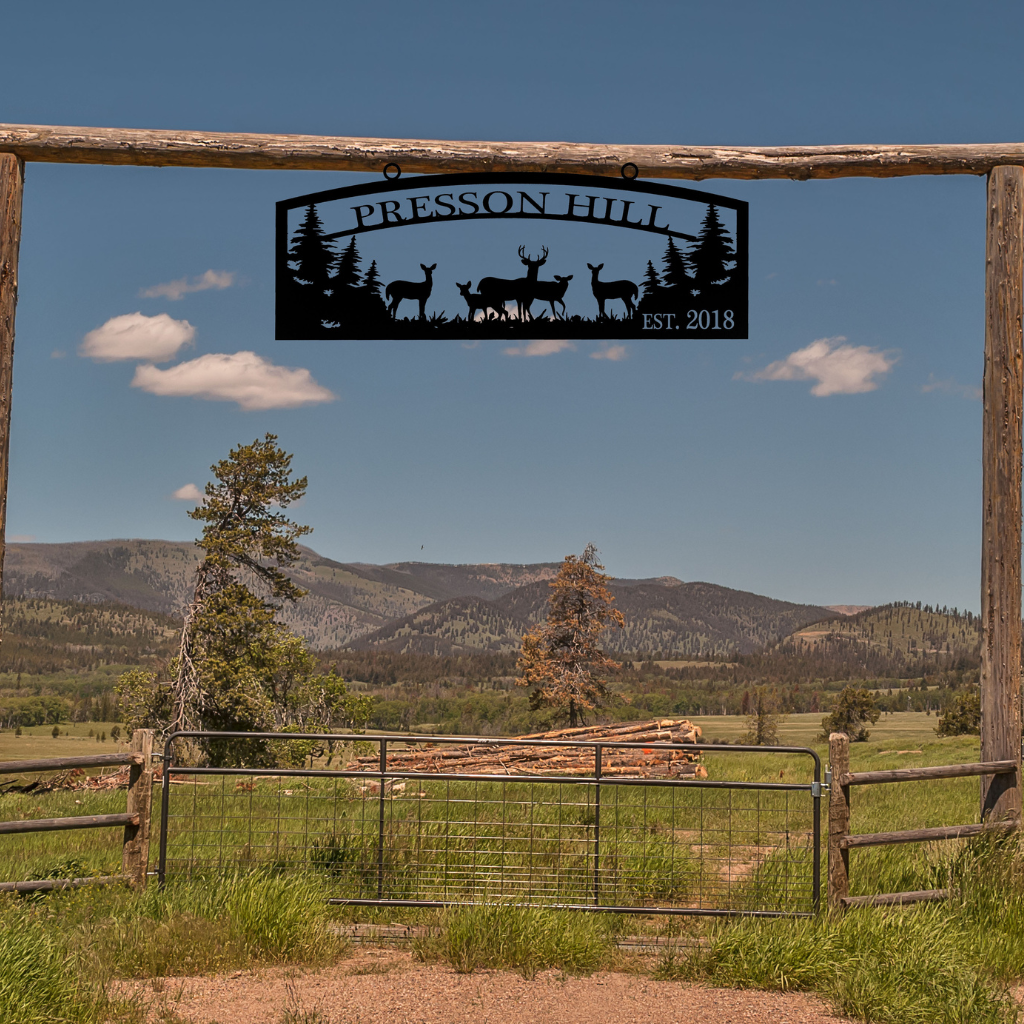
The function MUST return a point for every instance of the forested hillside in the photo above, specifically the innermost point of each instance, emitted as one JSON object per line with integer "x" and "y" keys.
{"x": 59, "y": 659}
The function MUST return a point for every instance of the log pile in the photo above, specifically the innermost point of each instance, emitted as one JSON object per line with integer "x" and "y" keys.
{"x": 512, "y": 759}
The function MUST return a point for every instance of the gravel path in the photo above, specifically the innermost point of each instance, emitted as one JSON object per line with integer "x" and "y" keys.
{"x": 388, "y": 987}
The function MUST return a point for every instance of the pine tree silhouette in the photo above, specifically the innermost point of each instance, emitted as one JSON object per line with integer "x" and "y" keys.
{"x": 712, "y": 251}
{"x": 371, "y": 282}
{"x": 311, "y": 252}
{"x": 312, "y": 257}
{"x": 651, "y": 281}
{"x": 674, "y": 275}
{"x": 346, "y": 272}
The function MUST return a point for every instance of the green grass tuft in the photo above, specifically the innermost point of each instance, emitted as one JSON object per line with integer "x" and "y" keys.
{"x": 522, "y": 939}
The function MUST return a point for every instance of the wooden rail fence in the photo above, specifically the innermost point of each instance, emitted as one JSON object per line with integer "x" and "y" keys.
{"x": 841, "y": 841}
{"x": 135, "y": 820}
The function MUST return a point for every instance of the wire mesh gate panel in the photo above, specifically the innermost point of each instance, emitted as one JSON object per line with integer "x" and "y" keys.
{"x": 653, "y": 845}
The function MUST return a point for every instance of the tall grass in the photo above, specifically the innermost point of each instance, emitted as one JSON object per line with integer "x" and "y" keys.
{"x": 523, "y": 939}
{"x": 948, "y": 963}
{"x": 59, "y": 952}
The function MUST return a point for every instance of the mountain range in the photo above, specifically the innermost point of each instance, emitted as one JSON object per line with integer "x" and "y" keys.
{"x": 414, "y": 607}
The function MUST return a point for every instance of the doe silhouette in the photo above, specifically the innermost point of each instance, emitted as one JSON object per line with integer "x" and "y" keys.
{"x": 418, "y": 291}
{"x": 605, "y": 290}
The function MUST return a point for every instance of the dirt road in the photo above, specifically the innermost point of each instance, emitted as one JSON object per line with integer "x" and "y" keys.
{"x": 389, "y": 987}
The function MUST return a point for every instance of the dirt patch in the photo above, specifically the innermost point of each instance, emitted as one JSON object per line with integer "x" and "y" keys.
{"x": 385, "y": 986}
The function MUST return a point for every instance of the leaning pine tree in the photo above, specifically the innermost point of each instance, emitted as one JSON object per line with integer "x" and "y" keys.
{"x": 561, "y": 660}
{"x": 239, "y": 585}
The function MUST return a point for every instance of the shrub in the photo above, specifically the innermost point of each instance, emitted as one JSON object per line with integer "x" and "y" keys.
{"x": 962, "y": 715}
{"x": 850, "y": 711}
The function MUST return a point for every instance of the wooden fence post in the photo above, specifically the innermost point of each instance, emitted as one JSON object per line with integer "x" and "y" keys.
{"x": 135, "y": 854}
{"x": 12, "y": 185}
{"x": 1001, "y": 493}
{"x": 838, "y": 820}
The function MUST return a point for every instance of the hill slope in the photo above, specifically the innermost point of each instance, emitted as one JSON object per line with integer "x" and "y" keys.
{"x": 412, "y": 607}
{"x": 678, "y": 619}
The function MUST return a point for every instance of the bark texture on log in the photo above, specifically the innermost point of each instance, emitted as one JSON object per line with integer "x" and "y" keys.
{"x": 12, "y": 185}
{"x": 135, "y": 849}
{"x": 945, "y": 771}
{"x": 162, "y": 148}
{"x": 838, "y": 820}
{"x": 1001, "y": 492}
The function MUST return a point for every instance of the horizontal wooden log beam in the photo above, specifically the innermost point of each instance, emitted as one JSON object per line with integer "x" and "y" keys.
{"x": 922, "y": 835}
{"x": 945, "y": 771}
{"x": 50, "y": 884}
{"x": 59, "y": 764}
{"x": 159, "y": 148}
{"x": 891, "y": 899}
{"x": 8, "y": 828}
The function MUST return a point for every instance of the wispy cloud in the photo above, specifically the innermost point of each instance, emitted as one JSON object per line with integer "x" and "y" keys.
{"x": 615, "y": 353}
{"x": 839, "y": 369}
{"x": 189, "y": 493}
{"x": 243, "y": 377}
{"x": 952, "y": 387}
{"x": 174, "y": 290}
{"x": 137, "y": 336}
{"x": 542, "y": 347}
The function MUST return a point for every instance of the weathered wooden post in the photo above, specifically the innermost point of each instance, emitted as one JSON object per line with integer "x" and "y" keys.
{"x": 838, "y": 820}
{"x": 1001, "y": 492}
{"x": 12, "y": 182}
{"x": 135, "y": 853}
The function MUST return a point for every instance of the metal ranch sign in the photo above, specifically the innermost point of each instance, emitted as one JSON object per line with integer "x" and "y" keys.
{"x": 509, "y": 256}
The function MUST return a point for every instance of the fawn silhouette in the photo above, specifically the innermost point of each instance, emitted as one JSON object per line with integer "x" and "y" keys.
{"x": 605, "y": 290}
{"x": 474, "y": 302}
{"x": 419, "y": 291}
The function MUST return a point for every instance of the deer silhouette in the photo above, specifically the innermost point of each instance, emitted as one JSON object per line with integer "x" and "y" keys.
{"x": 474, "y": 302}
{"x": 498, "y": 290}
{"x": 552, "y": 292}
{"x": 418, "y": 291}
{"x": 605, "y": 290}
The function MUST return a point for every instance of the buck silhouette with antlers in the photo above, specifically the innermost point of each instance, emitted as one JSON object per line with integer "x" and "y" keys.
{"x": 605, "y": 290}
{"x": 497, "y": 291}
{"x": 418, "y": 291}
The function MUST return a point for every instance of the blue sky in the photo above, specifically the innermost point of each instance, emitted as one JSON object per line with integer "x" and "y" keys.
{"x": 682, "y": 458}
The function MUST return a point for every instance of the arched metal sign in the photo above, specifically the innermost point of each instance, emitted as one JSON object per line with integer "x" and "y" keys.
{"x": 511, "y": 256}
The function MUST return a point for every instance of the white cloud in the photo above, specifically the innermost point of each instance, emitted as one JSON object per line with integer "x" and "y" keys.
{"x": 22, "y": 538}
{"x": 136, "y": 336}
{"x": 952, "y": 387}
{"x": 616, "y": 353}
{"x": 839, "y": 369}
{"x": 174, "y": 290}
{"x": 244, "y": 377}
{"x": 542, "y": 347}
{"x": 189, "y": 493}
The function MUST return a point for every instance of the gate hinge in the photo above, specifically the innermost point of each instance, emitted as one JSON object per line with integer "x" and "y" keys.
{"x": 816, "y": 789}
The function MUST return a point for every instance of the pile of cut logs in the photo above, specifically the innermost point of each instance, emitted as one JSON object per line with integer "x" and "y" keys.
{"x": 514, "y": 759}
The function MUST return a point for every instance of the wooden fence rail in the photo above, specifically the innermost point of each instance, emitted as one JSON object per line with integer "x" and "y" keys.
{"x": 841, "y": 841}
{"x": 135, "y": 821}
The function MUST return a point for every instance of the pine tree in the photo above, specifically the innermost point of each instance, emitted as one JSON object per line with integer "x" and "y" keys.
{"x": 674, "y": 274}
{"x": 559, "y": 659}
{"x": 346, "y": 273}
{"x": 311, "y": 253}
{"x": 371, "y": 281}
{"x": 652, "y": 282}
{"x": 712, "y": 251}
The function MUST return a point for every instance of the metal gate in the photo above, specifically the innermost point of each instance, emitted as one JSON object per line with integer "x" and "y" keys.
{"x": 715, "y": 846}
